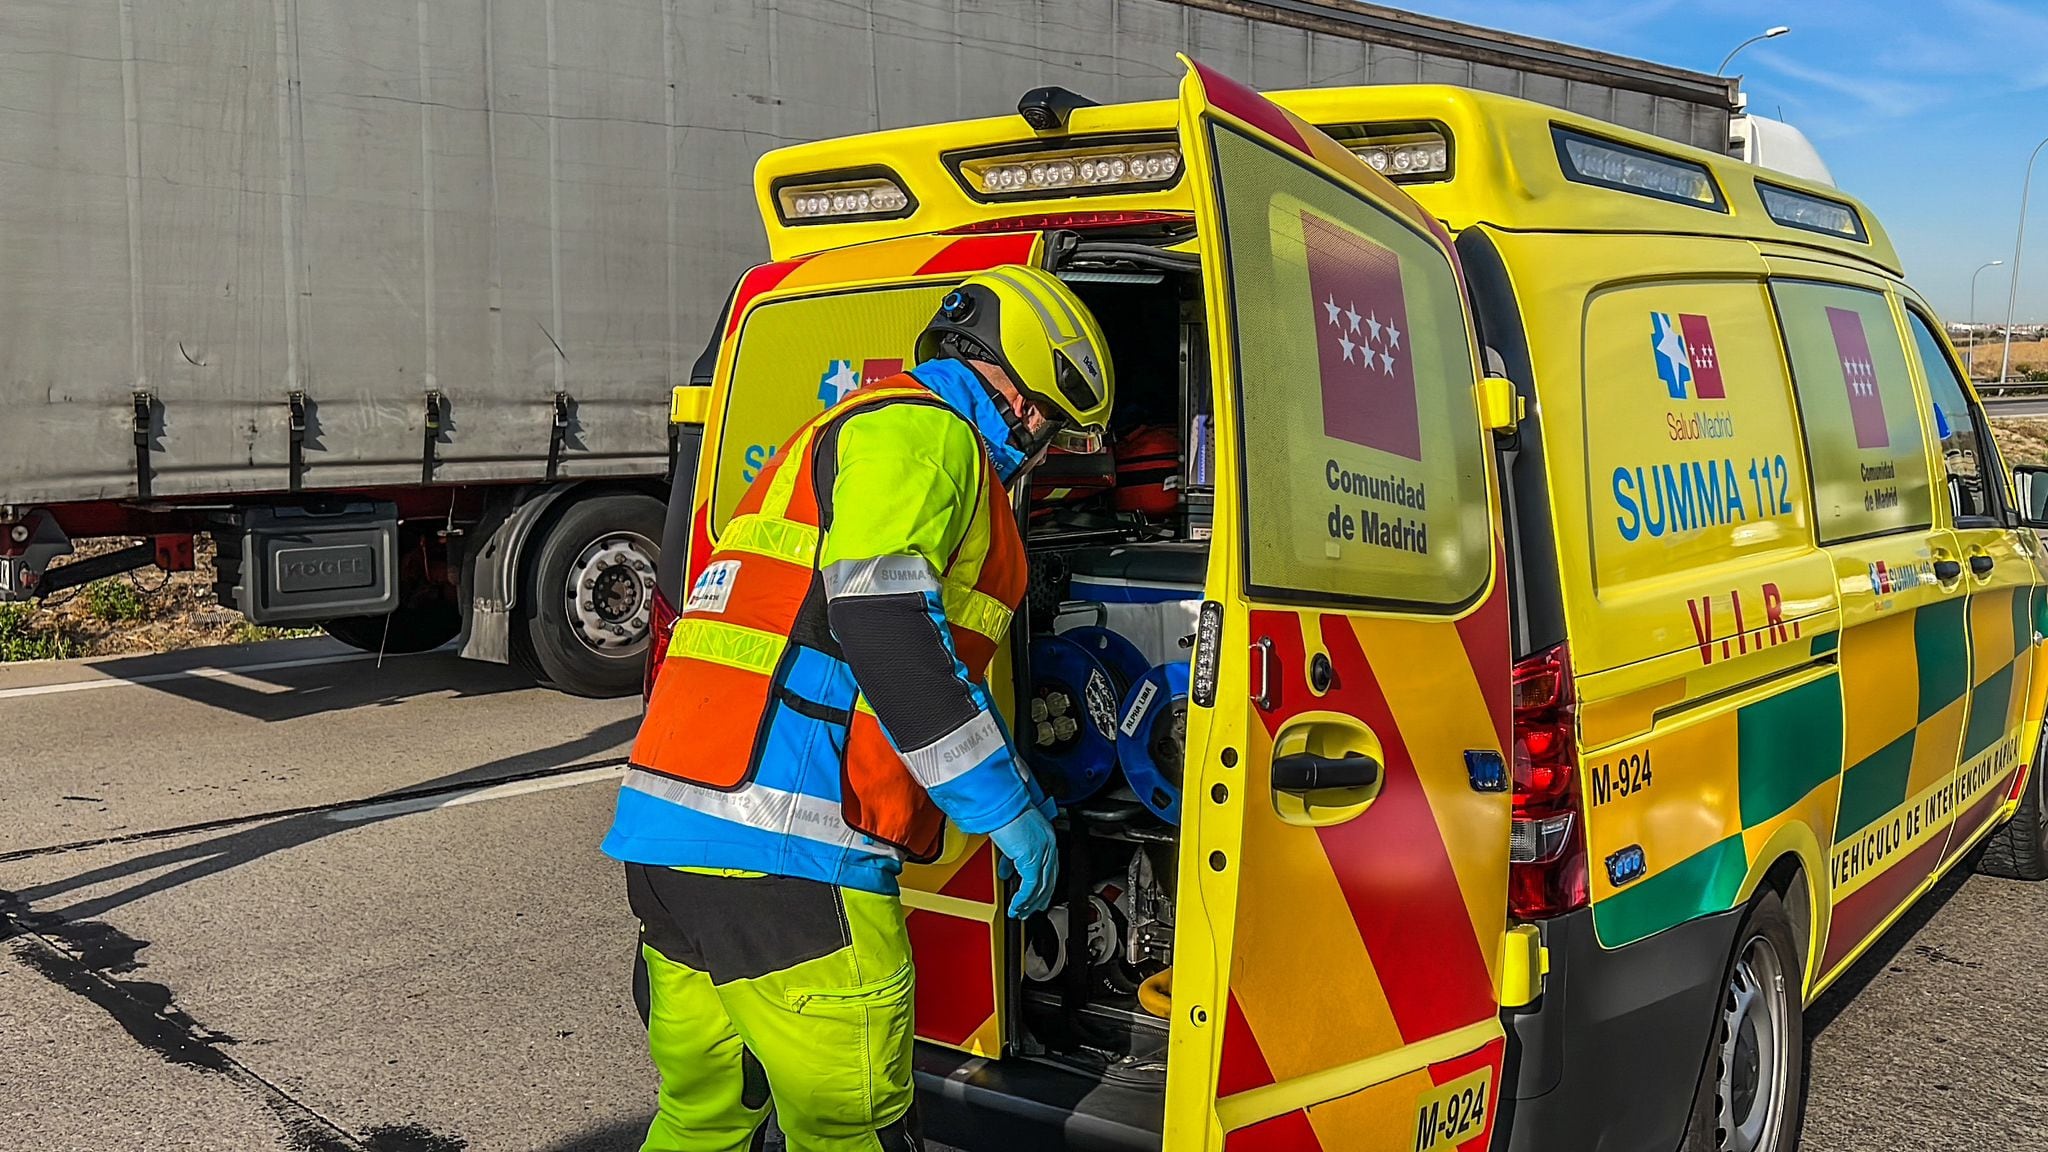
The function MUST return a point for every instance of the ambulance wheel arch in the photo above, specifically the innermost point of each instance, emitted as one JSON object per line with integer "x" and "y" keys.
{"x": 1786, "y": 864}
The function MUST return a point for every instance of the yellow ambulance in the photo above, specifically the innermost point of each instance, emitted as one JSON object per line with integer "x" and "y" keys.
{"x": 1581, "y": 609}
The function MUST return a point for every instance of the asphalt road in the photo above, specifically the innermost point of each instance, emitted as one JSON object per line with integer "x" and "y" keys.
{"x": 283, "y": 898}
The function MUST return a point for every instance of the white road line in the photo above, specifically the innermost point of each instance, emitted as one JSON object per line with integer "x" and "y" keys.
{"x": 189, "y": 673}
{"x": 476, "y": 795}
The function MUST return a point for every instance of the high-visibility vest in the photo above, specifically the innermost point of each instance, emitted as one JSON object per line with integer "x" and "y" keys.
{"x": 760, "y": 598}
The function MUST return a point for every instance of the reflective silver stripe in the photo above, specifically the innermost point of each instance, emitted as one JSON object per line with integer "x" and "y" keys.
{"x": 880, "y": 576}
{"x": 812, "y": 818}
{"x": 1064, "y": 336}
{"x": 1061, "y": 332}
{"x": 954, "y": 753}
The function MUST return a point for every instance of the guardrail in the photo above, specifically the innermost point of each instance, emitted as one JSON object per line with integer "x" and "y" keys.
{"x": 1989, "y": 389}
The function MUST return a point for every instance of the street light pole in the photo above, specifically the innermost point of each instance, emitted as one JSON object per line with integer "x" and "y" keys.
{"x": 1766, "y": 34}
{"x": 1970, "y": 369}
{"x": 2012, "y": 292}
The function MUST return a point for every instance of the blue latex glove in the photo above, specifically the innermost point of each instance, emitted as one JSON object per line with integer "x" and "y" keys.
{"x": 1027, "y": 845}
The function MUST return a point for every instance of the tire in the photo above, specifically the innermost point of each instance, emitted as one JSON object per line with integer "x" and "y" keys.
{"x": 1752, "y": 1094}
{"x": 595, "y": 645}
{"x": 2018, "y": 849}
{"x": 420, "y": 627}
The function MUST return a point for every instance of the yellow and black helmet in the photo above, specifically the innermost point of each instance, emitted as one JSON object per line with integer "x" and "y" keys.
{"x": 1034, "y": 327}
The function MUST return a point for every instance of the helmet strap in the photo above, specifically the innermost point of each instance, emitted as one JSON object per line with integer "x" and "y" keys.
{"x": 967, "y": 352}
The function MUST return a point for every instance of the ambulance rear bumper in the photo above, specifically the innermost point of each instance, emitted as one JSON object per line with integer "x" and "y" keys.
{"x": 1608, "y": 1059}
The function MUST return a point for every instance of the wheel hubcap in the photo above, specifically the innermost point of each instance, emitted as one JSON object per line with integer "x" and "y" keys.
{"x": 1749, "y": 1103}
{"x": 610, "y": 593}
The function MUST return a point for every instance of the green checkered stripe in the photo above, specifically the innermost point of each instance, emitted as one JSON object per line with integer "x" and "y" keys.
{"x": 1878, "y": 783}
{"x": 1787, "y": 744}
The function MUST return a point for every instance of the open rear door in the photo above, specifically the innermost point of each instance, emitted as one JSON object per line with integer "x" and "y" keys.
{"x": 1345, "y": 828}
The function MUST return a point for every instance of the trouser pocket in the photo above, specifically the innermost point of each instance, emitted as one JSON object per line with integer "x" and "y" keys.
{"x": 890, "y": 991}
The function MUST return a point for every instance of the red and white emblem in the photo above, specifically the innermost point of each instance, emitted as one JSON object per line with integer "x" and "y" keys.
{"x": 1859, "y": 378}
{"x": 1362, "y": 344}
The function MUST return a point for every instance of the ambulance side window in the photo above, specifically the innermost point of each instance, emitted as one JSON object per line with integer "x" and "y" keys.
{"x": 799, "y": 356}
{"x": 1971, "y": 471}
{"x": 1861, "y": 421}
{"x": 1362, "y": 462}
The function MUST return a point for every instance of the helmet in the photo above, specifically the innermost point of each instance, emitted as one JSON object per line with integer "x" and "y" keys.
{"x": 1026, "y": 321}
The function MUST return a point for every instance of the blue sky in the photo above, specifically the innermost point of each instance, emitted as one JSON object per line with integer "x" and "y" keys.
{"x": 1924, "y": 109}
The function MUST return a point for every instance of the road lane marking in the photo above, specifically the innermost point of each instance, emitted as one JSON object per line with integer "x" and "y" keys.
{"x": 188, "y": 673}
{"x": 475, "y": 795}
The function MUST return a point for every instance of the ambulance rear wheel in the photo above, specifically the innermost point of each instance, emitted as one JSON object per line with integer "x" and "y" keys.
{"x": 587, "y": 599}
{"x": 2019, "y": 849}
{"x": 1752, "y": 1097}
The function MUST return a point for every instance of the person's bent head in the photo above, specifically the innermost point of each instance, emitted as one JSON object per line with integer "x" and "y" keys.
{"x": 1037, "y": 349}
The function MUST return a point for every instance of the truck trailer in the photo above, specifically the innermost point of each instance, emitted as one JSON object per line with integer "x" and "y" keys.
{"x": 392, "y": 298}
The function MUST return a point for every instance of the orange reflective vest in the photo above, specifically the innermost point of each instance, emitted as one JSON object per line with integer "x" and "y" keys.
{"x": 753, "y": 636}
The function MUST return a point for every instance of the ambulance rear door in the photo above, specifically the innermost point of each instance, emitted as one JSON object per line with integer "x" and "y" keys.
{"x": 800, "y": 335}
{"x": 1344, "y": 845}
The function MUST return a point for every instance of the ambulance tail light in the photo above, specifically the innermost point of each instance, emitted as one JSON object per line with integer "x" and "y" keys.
{"x": 662, "y": 627}
{"x": 1547, "y": 843}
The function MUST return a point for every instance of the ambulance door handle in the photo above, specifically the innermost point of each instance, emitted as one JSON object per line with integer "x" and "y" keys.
{"x": 1304, "y": 772}
{"x": 1948, "y": 571}
{"x": 1982, "y": 564}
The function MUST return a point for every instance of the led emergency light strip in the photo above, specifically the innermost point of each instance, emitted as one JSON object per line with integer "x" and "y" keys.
{"x": 1417, "y": 156}
{"x": 1795, "y": 209}
{"x": 1039, "y": 173}
{"x": 1591, "y": 160}
{"x": 875, "y": 197}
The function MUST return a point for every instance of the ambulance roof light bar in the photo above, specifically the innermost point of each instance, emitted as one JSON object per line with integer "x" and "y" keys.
{"x": 1588, "y": 159}
{"x": 1797, "y": 209}
{"x": 835, "y": 197}
{"x": 1127, "y": 165}
{"x": 1407, "y": 152}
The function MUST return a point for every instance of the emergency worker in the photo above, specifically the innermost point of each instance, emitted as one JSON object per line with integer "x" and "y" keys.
{"x": 821, "y": 714}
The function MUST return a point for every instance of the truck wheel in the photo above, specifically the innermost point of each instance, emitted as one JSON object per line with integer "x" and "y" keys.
{"x": 417, "y": 627}
{"x": 2019, "y": 849}
{"x": 589, "y": 593}
{"x": 1752, "y": 1097}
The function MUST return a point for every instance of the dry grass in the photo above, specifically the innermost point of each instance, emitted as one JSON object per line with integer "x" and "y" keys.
{"x": 140, "y": 613}
{"x": 2022, "y": 439}
{"x": 2027, "y": 355}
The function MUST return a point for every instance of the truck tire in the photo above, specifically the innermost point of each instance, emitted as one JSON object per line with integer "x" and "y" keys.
{"x": 2018, "y": 850}
{"x": 1752, "y": 1094}
{"x": 586, "y": 601}
{"x": 417, "y": 627}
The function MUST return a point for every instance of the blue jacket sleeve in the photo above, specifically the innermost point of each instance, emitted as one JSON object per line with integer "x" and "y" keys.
{"x": 903, "y": 489}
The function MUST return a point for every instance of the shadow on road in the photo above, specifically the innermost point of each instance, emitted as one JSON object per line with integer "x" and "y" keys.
{"x": 289, "y": 679}
{"x": 232, "y": 849}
